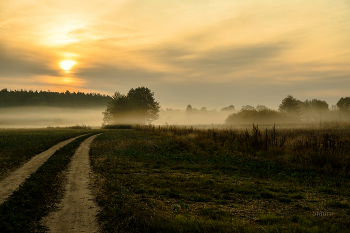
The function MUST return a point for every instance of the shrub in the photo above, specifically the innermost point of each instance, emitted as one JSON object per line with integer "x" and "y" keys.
{"x": 119, "y": 126}
{"x": 263, "y": 116}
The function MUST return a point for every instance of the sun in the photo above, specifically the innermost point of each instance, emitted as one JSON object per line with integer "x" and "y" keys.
{"x": 67, "y": 64}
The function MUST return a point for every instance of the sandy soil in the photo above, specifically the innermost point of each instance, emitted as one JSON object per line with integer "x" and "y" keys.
{"x": 77, "y": 210}
{"x": 13, "y": 181}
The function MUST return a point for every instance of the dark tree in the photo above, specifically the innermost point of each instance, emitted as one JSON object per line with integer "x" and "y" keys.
{"x": 189, "y": 109}
{"x": 313, "y": 109}
{"x": 264, "y": 116}
{"x": 290, "y": 106}
{"x": 248, "y": 107}
{"x": 116, "y": 109}
{"x": 319, "y": 105}
{"x": 261, "y": 107}
{"x": 143, "y": 104}
{"x": 230, "y": 108}
{"x": 137, "y": 107}
{"x": 344, "y": 104}
{"x": 203, "y": 109}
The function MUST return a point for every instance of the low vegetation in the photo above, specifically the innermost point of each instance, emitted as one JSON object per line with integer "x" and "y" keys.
{"x": 263, "y": 116}
{"x": 183, "y": 179}
{"x": 117, "y": 126}
{"x": 172, "y": 179}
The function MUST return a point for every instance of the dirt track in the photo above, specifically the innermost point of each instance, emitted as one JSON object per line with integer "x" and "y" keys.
{"x": 13, "y": 181}
{"x": 77, "y": 210}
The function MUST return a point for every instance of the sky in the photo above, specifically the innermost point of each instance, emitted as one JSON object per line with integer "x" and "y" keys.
{"x": 207, "y": 53}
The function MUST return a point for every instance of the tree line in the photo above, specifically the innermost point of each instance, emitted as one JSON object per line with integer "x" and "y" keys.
{"x": 292, "y": 110}
{"x": 138, "y": 106}
{"x": 21, "y": 98}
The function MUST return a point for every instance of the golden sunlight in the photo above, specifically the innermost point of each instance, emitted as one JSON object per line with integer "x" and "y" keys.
{"x": 67, "y": 64}
{"x": 66, "y": 80}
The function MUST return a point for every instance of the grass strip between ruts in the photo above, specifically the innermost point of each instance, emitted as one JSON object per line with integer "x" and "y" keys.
{"x": 37, "y": 196}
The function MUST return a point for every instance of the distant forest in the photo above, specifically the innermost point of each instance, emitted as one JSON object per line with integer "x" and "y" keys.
{"x": 21, "y": 98}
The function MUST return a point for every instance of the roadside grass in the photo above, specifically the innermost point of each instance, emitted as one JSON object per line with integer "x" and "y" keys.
{"x": 117, "y": 126}
{"x": 155, "y": 180}
{"x": 20, "y": 145}
{"x": 79, "y": 127}
{"x": 37, "y": 196}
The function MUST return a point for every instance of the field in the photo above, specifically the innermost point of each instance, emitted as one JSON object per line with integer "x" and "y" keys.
{"x": 182, "y": 179}
{"x": 174, "y": 179}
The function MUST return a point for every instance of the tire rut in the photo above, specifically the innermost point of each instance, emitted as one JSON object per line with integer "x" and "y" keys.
{"x": 16, "y": 178}
{"x": 77, "y": 210}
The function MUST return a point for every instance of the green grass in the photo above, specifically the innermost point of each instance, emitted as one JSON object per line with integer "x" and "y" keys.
{"x": 268, "y": 219}
{"x": 20, "y": 145}
{"x": 183, "y": 180}
{"x": 153, "y": 179}
{"x": 37, "y": 196}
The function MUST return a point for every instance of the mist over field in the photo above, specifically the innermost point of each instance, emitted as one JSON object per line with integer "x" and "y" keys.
{"x": 42, "y": 117}
{"x": 39, "y": 117}
{"x": 31, "y": 109}
{"x": 181, "y": 117}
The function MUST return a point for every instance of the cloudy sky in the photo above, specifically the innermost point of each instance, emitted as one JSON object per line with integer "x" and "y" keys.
{"x": 210, "y": 53}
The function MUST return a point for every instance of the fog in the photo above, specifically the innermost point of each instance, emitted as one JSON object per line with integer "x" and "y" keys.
{"x": 199, "y": 117}
{"x": 39, "y": 117}
{"x": 42, "y": 117}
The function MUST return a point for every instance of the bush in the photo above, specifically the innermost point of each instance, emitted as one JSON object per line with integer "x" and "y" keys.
{"x": 119, "y": 126}
{"x": 264, "y": 116}
{"x": 79, "y": 127}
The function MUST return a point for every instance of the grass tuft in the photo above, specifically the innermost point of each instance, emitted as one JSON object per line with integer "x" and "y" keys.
{"x": 268, "y": 219}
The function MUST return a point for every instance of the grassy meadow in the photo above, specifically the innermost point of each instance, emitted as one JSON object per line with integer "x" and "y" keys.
{"x": 173, "y": 179}
{"x": 185, "y": 179}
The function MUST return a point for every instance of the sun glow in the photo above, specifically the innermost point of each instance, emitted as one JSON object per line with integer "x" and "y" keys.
{"x": 65, "y": 80}
{"x": 67, "y": 64}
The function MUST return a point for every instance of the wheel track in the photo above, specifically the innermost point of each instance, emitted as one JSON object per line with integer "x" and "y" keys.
{"x": 77, "y": 210}
{"x": 16, "y": 178}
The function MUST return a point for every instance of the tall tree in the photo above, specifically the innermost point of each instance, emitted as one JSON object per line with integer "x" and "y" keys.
{"x": 230, "y": 108}
{"x": 261, "y": 107}
{"x": 189, "y": 109}
{"x": 290, "y": 106}
{"x": 313, "y": 109}
{"x": 344, "y": 104}
{"x": 137, "y": 107}
{"x": 116, "y": 109}
{"x": 247, "y": 107}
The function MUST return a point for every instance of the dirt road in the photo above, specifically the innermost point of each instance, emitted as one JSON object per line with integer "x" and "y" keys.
{"x": 77, "y": 210}
{"x": 13, "y": 181}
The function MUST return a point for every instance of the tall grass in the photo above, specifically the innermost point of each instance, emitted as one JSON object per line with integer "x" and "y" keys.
{"x": 177, "y": 179}
{"x": 323, "y": 147}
